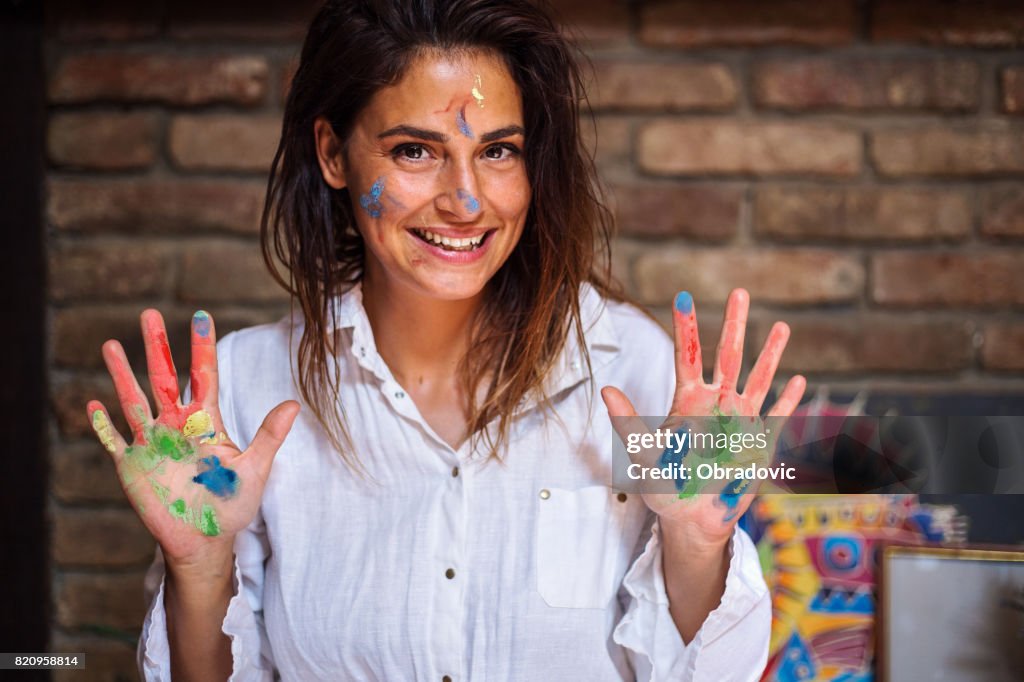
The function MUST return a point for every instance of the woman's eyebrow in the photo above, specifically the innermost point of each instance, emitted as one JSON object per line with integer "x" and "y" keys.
{"x": 412, "y": 131}
{"x": 502, "y": 132}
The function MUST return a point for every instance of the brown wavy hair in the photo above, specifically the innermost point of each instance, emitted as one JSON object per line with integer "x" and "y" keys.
{"x": 308, "y": 230}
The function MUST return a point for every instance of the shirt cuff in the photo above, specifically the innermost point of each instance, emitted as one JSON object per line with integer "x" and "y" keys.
{"x": 647, "y": 627}
{"x": 240, "y": 625}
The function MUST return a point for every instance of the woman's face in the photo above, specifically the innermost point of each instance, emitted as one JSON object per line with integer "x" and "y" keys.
{"x": 436, "y": 173}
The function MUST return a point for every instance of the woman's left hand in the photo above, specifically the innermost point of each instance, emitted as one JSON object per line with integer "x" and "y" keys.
{"x": 707, "y": 520}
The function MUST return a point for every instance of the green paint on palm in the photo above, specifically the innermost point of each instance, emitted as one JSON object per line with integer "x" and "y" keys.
{"x": 178, "y": 509}
{"x": 208, "y": 521}
{"x": 162, "y": 443}
{"x": 161, "y": 490}
{"x": 722, "y": 424}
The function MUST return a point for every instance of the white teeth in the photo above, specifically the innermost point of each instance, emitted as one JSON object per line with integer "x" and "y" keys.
{"x": 451, "y": 242}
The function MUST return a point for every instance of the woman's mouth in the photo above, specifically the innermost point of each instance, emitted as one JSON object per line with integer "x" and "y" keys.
{"x": 455, "y": 244}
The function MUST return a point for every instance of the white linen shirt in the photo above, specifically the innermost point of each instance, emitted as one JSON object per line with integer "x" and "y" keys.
{"x": 447, "y": 565}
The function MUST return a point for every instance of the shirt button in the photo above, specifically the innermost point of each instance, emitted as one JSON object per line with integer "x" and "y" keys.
{"x": 455, "y": 472}
{"x": 362, "y": 351}
{"x": 446, "y": 678}
{"x": 574, "y": 365}
{"x": 622, "y": 497}
{"x": 545, "y": 494}
{"x": 399, "y": 394}
{"x": 450, "y": 573}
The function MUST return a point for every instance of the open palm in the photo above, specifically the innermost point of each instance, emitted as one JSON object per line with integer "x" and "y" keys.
{"x": 189, "y": 483}
{"x": 710, "y": 517}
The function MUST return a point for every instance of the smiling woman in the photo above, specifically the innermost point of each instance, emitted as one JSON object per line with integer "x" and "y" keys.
{"x": 442, "y": 507}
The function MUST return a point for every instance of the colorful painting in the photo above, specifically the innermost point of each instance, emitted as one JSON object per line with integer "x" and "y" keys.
{"x": 820, "y": 556}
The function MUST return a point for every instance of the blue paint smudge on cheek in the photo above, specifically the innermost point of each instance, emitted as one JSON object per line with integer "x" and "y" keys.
{"x": 669, "y": 456}
{"x": 201, "y": 323}
{"x": 371, "y": 202}
{"x": 730, "y": 497}
{"x": 219, "y": 480}
{"x": 463, "y": 125}
{"x": 468, "y": 200}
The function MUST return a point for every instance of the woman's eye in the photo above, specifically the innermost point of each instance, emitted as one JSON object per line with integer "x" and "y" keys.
{"x": 501, "y": 151}
{"x": 413, "y": 152}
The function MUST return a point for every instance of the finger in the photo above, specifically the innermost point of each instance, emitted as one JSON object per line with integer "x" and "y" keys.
{"x": 270, "y": 435}
{"x": 162, "y": 375}
{"x": 204, "y": 360}
{"x": 789, "y": 398}
{"x": 689, "y": 365}
{"x": 730, "y": 347}
{"x": 133, "y": 401}
{"x": 105, "y": 431}
{"x": 761, "y": 376}
{"x": 624, "y": 418}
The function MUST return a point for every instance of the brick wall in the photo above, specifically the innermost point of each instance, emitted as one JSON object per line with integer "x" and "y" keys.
{"x": 858, "y": 166}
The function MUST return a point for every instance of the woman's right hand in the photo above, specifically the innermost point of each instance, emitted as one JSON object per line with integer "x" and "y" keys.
{"x": 189, "y": 483}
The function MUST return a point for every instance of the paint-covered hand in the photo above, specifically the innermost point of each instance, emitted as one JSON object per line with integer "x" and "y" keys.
{"x": 706, "y": 513}
{"x": 190, "y": 484}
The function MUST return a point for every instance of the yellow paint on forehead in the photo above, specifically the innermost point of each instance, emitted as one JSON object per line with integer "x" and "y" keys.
{"x": 476, "y": 92}
{"x": 104, "y": 430}
{"x": 198, "y": 424}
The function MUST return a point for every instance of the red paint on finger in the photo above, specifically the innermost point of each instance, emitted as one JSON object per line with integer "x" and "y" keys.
{"x": 692, "y": 349}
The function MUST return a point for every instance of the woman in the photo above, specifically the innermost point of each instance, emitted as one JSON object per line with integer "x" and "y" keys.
{"x": 441, "y": 506}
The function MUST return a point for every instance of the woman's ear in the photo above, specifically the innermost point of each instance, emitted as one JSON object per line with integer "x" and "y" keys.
{"x": 329, "y": 154}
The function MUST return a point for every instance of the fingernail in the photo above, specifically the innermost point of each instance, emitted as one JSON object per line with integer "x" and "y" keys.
{"x": 201, "y": 323}
{"x": 684, "y": 302}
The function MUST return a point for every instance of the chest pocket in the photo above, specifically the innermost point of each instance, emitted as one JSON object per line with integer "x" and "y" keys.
{"x": 585, "y": 538}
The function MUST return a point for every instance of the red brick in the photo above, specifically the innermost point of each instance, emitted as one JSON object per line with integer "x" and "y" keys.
{"x": 107, "y": 659}
{"x": 656, "y": 86}
{"x": 722, "y": 146}
{"x": 100, "y": 538}
{"x": 107, "y": 600}
{"x": 103, "y": 141}
{"x": 1003, "y": 346}
{"x": 702, "y": 212}
{"x": 108, "y": 270}
{"x": 594, "y": 22}
{"x": 158, "y": 206}
{"x": 857, "y": 342}
{"x": 948, "y": 278}
{"x": 867, "y": 83}
{"x": 70, "y": 397}
{"x": 1002, "y": 211}
{"x": 944, "y": 151}
{"x": 795, "y": 213}
{"x": 261, "y": 21}
{"x": 1012, "y": 89}
{"x": 226, "y": 271}
{"x": 80, "y": 331}
{"x": 224, "y": 142}
{"x": 84, "y": 472}
{"x": 692, "y": 23}
{"x": 981, "y": 23}
{"x": 157, "y": 77}
{"x": 784, "y": 276}
{"x": 612, "y": 140}
{"x": 101, "y": 20}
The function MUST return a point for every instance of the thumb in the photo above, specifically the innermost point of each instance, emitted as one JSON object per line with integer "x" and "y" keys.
{"x": 624, "y": 418}
{"x": 271, "y": 434}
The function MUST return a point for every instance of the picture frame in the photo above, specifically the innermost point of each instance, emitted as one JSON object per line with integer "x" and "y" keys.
{"x": 954, "y": 614}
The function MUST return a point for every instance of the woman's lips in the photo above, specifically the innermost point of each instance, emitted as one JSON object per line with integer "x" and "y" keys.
{"x": 451, "y": 245}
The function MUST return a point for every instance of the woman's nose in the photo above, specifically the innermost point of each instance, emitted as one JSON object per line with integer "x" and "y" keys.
{"x": 459, "y": 199}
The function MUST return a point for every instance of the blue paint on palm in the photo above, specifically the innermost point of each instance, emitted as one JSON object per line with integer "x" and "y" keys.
{"x": 371, "y": 202}
{"x": 669, "y": 456}
{"x": 218, "y": 479}
{"x": 730, "y": 496}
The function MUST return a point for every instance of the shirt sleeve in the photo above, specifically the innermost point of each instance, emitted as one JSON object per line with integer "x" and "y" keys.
{"x": 732, "y": 643}
{"x": 243, "y": 622}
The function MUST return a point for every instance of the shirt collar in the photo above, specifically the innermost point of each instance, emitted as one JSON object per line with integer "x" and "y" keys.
{"x": 569, "y": 368}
